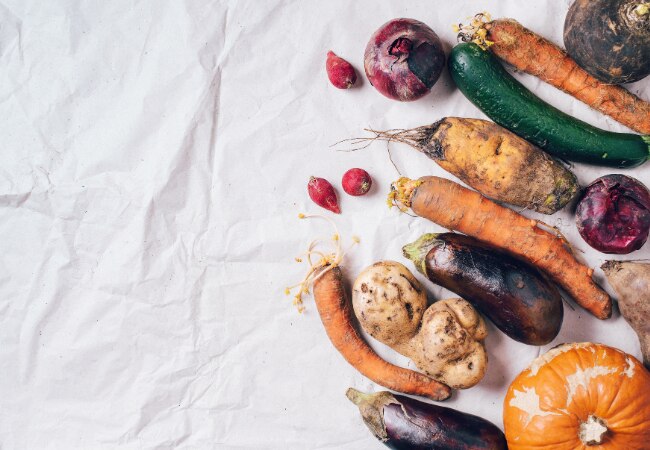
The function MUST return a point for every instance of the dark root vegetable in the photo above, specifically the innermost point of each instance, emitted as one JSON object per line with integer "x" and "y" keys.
{"x": 613, "y": 216}
{"x": 610, "y": 39}
{"x": 356, "y": 182}
{"x": 322, "y": 193}
{"x": 339, "y": 71}
{"x": 404, "y": 59}
{"x": 631, "y": 282}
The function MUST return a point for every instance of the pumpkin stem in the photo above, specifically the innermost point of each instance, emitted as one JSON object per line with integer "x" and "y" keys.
{"x": 593, "y": 430}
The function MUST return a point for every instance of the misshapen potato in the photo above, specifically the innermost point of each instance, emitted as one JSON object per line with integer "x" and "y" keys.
{"x": 444, "y": 341}
{"x": 389, "y": 302}
{"x": 449, "y": 346}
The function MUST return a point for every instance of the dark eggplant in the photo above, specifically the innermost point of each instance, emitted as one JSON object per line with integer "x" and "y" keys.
{"x": 610, "y": 39}
{"x": 511, "y": 293}
{"x": 403, "y": 423}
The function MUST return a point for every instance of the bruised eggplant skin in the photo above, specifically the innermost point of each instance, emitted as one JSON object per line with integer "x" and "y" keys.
{"x": 515, "y": 296}
{"x": 403, "y": 423}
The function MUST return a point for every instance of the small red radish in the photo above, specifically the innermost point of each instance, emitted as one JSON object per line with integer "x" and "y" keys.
{"x": 322, "y": 193}
{"x": 356, "y": 182}
{"x": 340, "y": 72}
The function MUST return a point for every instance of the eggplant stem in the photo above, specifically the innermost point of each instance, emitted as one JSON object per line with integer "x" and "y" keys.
{"x": 371, "y": 407}
{"x": 417, "y": 251}
{"x": 357, "y": 397}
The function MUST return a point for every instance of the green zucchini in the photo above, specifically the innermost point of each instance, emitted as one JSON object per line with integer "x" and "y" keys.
{"x": 484, "y": 81}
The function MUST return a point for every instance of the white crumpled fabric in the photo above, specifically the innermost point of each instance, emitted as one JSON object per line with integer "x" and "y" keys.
{"x": 155, "y": 157}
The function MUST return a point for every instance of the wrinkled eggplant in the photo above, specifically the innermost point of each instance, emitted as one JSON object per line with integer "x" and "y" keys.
{"x": 403, "y": 423}
{"x": 514, "y": 295}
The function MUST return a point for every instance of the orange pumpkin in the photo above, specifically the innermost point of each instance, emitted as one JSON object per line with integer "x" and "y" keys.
{"x": 579, "y": 396}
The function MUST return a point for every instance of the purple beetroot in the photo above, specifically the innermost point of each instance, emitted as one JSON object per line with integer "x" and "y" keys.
{"x": 613, "y": 215}
{"x": 404, "y": 59}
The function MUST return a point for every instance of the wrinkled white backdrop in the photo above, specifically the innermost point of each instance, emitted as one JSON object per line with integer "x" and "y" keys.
{"x": 154, "y": 160}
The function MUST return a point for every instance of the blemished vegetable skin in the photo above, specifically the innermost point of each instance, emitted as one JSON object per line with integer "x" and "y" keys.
{"x": 460, "y": 209}
{"x": 610, "y": 38}
{"x": 531, "y": 53}
{"x": 613, "y": 215}
{"x": 515, "y": 296}
{"x": 339, "y": 71}
{"x": 356, "y": 182}
{"x": 494, "y": 161}
{"x": 404, "y": 423}
{"x": 389, "y": 302}
{"x": 323, "y": 194}
{"x": 444, "y": 340}
{"x": 404, "y": 59}
{"x": 579, "y": 396}
{"x": 482, "y": 79}
{"x": 631, "y": 281}
{"x": 338, "y": 319}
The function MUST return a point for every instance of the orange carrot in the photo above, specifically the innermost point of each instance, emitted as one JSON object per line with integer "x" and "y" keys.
{"x": 335, "y": 311}
{"x": 533, "y": 54}
{"x": 457, "y": 208}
